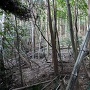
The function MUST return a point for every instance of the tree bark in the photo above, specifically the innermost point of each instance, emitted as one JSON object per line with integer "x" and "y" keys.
{"x": 71, "y": 29}
{"x": 2, "y": 68}
{"x": 53, "y": 41}
{"x": 80, "y": 57}
{"x": 18, "y": 48}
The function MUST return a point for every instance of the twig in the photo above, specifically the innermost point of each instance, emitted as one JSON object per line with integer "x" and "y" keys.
{"x": 58, "y": 87}
{"x": 49, "y": 83}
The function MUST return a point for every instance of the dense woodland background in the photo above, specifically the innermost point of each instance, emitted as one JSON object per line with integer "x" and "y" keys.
{"x": 44, "y": 45}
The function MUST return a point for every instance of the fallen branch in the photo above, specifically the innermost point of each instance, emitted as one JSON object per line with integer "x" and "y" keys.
{"x": 25, "y": 87}
{"x": 77, "y": 65}
{"x": 58, "y": 88}
{"x": 49, "y": 83}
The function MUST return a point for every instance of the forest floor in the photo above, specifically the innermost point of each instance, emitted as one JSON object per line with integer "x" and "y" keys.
{"x": 43, "y": 71}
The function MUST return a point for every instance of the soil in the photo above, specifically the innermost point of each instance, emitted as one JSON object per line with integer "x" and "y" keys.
{"x": 44, "y": 71}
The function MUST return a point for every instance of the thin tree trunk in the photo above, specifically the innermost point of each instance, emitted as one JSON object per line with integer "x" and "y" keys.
{"x": 54, "y": 53}
{"x": 47, "y": 36}
{"x": 32, "y": 41}
{"x": 47, "y": 31}
{"x": 66, "y": 28}
{"x": 71, "y": 29}
{"x": 76, "y": 28}
{"x": 89, "y": 12}
{"x": 18, "y": 48}
{"x": 39, "y": 46}
{"x": 79, "y": 25}
{"x": 89, "y": 26}
{"x": 72, "y": 36}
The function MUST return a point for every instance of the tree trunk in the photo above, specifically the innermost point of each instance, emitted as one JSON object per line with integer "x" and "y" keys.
{"x": 33, "y": 40}
{"x": 2, "y": 68}
{"x": 53, "y": 41}
{"x": 89, "y": 12}
{"x": 71, "y": 29}
{"x": 80, "y": 57}
{"x": 18, "y": 48}
{"x": 76, "y": 28}
{"x": 89, "y": 26}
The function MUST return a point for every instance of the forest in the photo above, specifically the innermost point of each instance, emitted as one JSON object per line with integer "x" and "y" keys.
{"x": 44, "y": 45}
